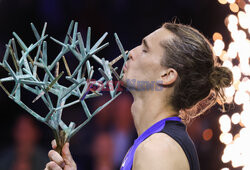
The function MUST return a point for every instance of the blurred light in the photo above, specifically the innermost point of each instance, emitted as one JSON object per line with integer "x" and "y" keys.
{"x": 226, "y": 138}
{"x": 239, "y": 37}
{"x": 236, "y": 162}
{"x": 231, "y": 1}
{"x": 218, "y": 47}
{"x": 242, "y": 131}
{"x": 217, "y": 36}
{"x": 241, "y": 97}
{"x": 228, "y": 64}
{"x": 229, "y": 99}
{"x": 232, "y": 27}
{"x": 225, "y": 158}
{"x": 245, "y": 118}
{"x": 222, "y": 1}
{"x": 236, "y": 84}
{"x": 242, "y": 35}
{"x": 219, "y": 44}
{"x": 241, "y": 124}
{"x": 232, "y": 50}
{"x": 234, "y": 7}
{"x": 236, "y": 73}
{"x": 236, "y": 58}
{"x": 224, "y": 118}
{"x": 246, "y": 167}
{"x": 247, "y": 8}
{"x": 207, "y": 134}
{"x": 223, "y": 56}
{"x": 229, "y": 91}
{"x": 243, "y": 20}
{"x": 246, "y": 107}
{"x": 235, "y": 118}
{"x": 226, "y": 127}
{"x": 232, "y": 19}
{"x": 244, "y": 66}
{"x": 243, "y": 86}
{"x": 236, "y": 136}
{"x": 225, "y": 123}
{"x": 241, "y": 3}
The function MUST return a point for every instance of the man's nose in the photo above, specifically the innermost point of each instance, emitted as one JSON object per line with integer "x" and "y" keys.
{"x": 131, "y": 54}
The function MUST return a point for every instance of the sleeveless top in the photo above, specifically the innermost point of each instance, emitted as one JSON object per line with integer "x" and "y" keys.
{"x": 173, "y": 127}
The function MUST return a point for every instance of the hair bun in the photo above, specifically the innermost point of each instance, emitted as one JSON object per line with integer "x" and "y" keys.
{"x": 221, "y": 77}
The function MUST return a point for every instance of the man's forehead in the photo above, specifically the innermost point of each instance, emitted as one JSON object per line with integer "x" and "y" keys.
{"x": 160, "y": 34}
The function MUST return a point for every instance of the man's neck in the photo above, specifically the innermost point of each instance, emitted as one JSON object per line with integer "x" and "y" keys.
{"x": 148, "y": 109}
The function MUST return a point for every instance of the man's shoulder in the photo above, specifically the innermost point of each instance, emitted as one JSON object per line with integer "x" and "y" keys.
{"x": 162, "y": 151}
{"x": 160, "y": 142}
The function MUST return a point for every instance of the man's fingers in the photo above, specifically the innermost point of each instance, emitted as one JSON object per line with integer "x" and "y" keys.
{"x": 56, "y": 157}
{"x": 53, "y": 144}
{"x": 52, "y": 166}
{"x": 67, "y": 155}
{"x": 59, "y": 162}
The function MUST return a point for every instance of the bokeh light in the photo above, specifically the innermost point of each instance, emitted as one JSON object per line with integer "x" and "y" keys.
{"x": 234, "y": 7}
{"x": 235, "y": 118}
{"x": 236, "y": 57}
{"x": 230, "y": 1}
{"x": 223, "y": 1}
{"x": 207, "y": 134}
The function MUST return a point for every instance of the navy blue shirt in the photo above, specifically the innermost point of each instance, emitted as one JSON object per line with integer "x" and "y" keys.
{"x": 177, "y": 130}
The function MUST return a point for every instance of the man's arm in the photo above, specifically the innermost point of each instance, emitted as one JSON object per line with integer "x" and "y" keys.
{"x": 160, "y": 152}
{"x": 58, "y": 162}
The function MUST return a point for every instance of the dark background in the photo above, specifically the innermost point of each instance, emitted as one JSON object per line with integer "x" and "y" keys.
{"x": 132, "y": 20}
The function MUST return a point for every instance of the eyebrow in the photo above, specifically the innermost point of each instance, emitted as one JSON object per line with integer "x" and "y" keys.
{"x": 144, "y": 41}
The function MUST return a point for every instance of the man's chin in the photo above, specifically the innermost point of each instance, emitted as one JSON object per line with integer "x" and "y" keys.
{"x": 123, "y": 81}
{"x": 128, "y": 83}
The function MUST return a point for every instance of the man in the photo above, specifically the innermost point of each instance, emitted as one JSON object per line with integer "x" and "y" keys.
{"x": 181, "y": 63}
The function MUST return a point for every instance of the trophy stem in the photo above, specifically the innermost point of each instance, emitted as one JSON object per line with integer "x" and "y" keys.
{"x": 61, "y": 138}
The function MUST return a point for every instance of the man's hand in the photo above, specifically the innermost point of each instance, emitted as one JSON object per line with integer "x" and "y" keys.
{"x": 58, "y": 162}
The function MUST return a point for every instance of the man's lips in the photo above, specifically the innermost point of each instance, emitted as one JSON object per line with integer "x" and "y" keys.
{"x": 125, "y": 67}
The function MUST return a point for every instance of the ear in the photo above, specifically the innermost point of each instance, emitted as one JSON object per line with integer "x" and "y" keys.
{"x": 168, "y": 77}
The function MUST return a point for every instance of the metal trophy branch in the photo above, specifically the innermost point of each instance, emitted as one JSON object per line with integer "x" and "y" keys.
{"x": 24, "y": 74}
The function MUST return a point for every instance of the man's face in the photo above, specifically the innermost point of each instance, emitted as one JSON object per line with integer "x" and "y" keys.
{"x": 144, "y": 60}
